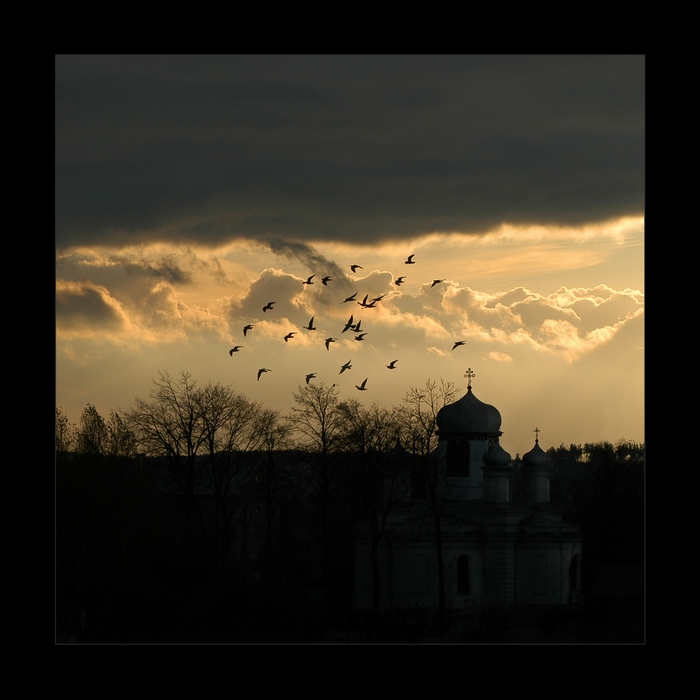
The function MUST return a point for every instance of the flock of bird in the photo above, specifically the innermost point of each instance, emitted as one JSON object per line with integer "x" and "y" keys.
{"x": 350, "y": 324}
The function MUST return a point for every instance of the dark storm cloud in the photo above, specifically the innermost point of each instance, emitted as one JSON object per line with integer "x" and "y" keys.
{"x": 358, "y": 148}
{"x": 315, "y": 263}
{"x": 86, "y": 307}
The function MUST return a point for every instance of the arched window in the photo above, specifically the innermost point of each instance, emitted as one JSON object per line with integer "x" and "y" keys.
{"x": 464, "y": 575}
{"x": 573, "y": 573}
{"x": 457, "y": 458}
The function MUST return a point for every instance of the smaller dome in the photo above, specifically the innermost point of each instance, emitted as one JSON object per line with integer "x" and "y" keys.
{"x": 536, "y": 457}
{"x": 496, "y": 456}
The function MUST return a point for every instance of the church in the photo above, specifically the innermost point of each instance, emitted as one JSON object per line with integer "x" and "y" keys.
{"x": 486, "y": 539}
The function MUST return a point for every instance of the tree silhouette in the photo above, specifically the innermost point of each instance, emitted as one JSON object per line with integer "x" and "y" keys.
{"x": 318, "y": 422}
{"x": 203, "y": 434}
{"x": 380, "y": 471}
{"x": 421, "y": 407}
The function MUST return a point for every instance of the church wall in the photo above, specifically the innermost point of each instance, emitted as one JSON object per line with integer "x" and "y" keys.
{"x": 499, "y": 571}
{"x": 543, "y": 572}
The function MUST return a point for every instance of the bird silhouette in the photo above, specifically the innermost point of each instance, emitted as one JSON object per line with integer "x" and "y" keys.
{"x": 410, "y": 260}
{"x": 308, "y": 279}
{"x": 458, "y": 343}
{"x": 356, "y": 328}
{"x": 436, "y": 282}
{"x": 379, "y": 298}
{"x": 309, "y": 377}
{"x": 350, "y": 298}
{"x": 362, "y": 386}
{"x": 347, "y": 365}
{"x": 329, "y": 341}
{"x": 288, "y": 336}
{"x": 365, "y": 305}
{"x": 355, "y": 268}
{"x": 326, "y": 280}
{"x": 246, "y": 329}
{"x": 399, "y": 281}
{"x": 349, "y": 324}
{"x": 311, "y": 326}
{"x": 392, "y": 364}
{"x": 361, "y": 336}
{"x": 234, "y": 349}
{"x": 260, "y": 371}
{"x": 268, "y": 305}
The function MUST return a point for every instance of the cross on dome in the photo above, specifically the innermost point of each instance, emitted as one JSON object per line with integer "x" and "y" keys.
{"x": 469, "y": 374}
{"x": 537, "y": 434}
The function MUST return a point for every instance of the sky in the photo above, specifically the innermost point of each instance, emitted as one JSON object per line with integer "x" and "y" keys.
{"x": 191, "y": 190}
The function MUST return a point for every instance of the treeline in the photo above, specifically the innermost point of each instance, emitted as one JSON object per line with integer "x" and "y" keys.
{"x": 200, "y": 516}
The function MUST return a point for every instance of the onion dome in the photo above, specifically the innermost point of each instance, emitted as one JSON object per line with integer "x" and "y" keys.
{"x": 536, "y": 457}
{"x": 496, "y": 456}
{"x": 468, "y": 415}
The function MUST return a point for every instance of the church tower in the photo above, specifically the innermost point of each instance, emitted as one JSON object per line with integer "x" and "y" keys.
{"x": 467, "y": 430}
{"x": 477, "y": 547}
{"x": 537, "y": 471}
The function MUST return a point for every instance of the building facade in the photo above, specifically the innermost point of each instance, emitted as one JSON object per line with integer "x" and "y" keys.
{"x": 493, "y": 548}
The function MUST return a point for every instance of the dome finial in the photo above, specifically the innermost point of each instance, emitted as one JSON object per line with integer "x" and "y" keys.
{"x": 469, "y": 374}
{"x": 537, "y": 435}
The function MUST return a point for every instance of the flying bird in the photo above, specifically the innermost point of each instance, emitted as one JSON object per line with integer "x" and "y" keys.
{"x": 458, "y": 343}
{"x": 347, "y": 365}
{"x": 399, "y": 281}
{"x": 268, "y": 305}
{"x": 349, "y": 324}
{"x": 309, "y": 377}
{"x": 392, "y": 364}
{"x": 361, "y": 336}
{"x": 362, "y": 386}
{"x": 246, "y": 329}
{"x": 436, "y": 282}
{"x": 308, "y": 279}
{"x": 378, "y": 298}
{"x": 260, "y": 371}
{"x": 326, "y": 280}
{"x": 234, "y": 349}
{"x": 356, "y": 328}
{"x": 329, "y": 341}
{"x": 311, "y": 326}
{"x": 366, "y": 305}
{"x": 355, "y": 268}
{"x": 410, "y": 260}
{"x": 289, "y": 335}
{"x": 351, "y": 298}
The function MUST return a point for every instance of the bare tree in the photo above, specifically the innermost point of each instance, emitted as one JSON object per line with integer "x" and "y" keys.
{"x": 373, "y": 434}
{"x": 318, "y": 421}
{"x": 231, "y": 433}
{"x": 421, "y": 407}
{"x": 120, "y": 440}
{"x": 92, "y": 432}
{"x": 171, "y": 426}
{"x": 271, "y": 474}
{"x": 201, "y": 432}
{"x": 65, "y": 434}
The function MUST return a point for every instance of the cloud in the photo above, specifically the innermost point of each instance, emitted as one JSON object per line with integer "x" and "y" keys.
{"x": 87, "y": 309}
{"x": 209, "y": 149}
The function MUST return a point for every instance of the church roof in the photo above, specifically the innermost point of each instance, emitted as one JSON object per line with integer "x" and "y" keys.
{"x": 536, "y": 457}
{"x": 469, "y": 415}
{"x": 496, "y": 456}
